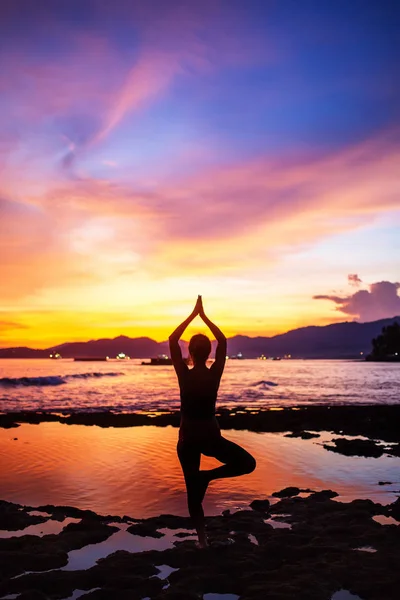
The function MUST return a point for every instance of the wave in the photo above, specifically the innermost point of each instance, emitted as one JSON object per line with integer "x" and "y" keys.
{"x": 87, "y": 375}
{"x": 50, "y": 379}
{"x": 263, "y": 383}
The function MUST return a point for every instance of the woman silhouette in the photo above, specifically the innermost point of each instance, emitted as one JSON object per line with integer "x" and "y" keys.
{"x": 199, "y": 431}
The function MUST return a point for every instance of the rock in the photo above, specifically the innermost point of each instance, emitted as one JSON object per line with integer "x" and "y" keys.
{"x": 368, "y": 506}
{"x": 287, "y": 492}
{"x": 394, "y": 509}
{"x": 375, "y": 422}
{"x": 311, "y": 561}
{"x": 69, "y": 511}
{"x": 323, "y": 495}
{"x": 394, "y": 450}
{"x": 384, "y": 483}
{"x": 32, "y": 595}
{"x": 357, "y": 447}
{"x": 144, "y": 530}
{"x": 260, "y": 505}
{"x": 13, "y": 519}
{"x": 304, "y": 435}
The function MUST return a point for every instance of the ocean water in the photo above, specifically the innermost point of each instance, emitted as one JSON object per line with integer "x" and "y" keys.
{"x": 135, "y": 470}
{"x": 124, "y": 386}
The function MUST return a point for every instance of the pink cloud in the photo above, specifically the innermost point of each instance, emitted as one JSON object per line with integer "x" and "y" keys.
{"x": 33, "y": 254}
{"x": 354, "y": 280}
{"x": 217, "y": 221}
{"x": 146, "y": 81}
{"x": 379, "y": 302}
{"x": 95, "y": 84}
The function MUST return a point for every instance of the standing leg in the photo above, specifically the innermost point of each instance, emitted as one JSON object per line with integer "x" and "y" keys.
{"x": 237, "y": 460}
{"x": 189, "y": 457}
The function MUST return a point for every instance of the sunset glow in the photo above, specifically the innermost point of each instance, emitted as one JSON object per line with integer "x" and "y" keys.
{"x": 154, "y": 151}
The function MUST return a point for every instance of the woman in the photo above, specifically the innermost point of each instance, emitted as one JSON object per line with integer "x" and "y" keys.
{"x": 199, "y": 431}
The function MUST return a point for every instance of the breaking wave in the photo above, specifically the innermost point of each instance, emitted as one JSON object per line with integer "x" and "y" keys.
{"x": 265, "y": 384}
{"x": 50, "y": 379}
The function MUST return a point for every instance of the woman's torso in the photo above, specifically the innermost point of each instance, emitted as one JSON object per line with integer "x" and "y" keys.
{"x": 198, "y": 391}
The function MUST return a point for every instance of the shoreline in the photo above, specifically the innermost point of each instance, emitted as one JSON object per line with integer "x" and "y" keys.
{"x": 371, "y": 421}
{"x": 299, "y": 547}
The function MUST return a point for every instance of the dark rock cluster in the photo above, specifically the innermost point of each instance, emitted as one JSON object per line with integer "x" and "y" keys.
{"x": 360, "y": 447}
{"x": 320, "y": 554}
{"x": 373, "y": 421}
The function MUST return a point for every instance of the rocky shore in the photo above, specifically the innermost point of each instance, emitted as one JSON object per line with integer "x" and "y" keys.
{"x": 305, "y": 546}
{"x": 378, "y": 423}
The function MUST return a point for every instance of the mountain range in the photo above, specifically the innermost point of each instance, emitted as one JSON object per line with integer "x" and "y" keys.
{"x": 339, "y": 340}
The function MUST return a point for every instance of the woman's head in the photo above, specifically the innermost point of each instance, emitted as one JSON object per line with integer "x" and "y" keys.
{"x": 199, "y": 348}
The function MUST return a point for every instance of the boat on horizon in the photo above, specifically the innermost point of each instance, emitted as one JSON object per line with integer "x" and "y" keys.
{"x": 160, "y": 360}
{"x": 90, "y": 358}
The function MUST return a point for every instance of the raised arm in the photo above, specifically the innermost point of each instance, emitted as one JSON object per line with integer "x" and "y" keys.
{"x": 220, "y": 353}
{"x": 174, "y": 348}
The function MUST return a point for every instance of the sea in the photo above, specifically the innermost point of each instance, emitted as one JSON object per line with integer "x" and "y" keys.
{"x": 129, "y": 386}
{"x": 135, "y": 470}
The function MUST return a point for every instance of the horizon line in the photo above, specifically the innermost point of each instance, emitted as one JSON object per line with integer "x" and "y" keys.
{"x": 186, "y": 341}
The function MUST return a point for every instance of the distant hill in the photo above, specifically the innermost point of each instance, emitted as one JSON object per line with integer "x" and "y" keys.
{"x": 339, "y": 340}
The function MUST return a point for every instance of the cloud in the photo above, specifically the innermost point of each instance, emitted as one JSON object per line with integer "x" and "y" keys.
{"x": 34, "y": 253}
{"x": 380, "y": 301}
{"x": 218, "y": 221}
{"x": 6, "y": 325}
{"x": 94, "y": 78}
{"x": 354, "y": 280}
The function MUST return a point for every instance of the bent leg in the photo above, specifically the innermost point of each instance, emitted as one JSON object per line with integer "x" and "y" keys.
{"x": 189, "y": 457}
{"x": 237, "y": 460}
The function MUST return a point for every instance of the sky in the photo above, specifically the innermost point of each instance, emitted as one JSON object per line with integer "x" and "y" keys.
{"x": 153, "y": 151}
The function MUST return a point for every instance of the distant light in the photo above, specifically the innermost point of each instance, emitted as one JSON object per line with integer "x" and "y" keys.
{"x": 361, "y": 353}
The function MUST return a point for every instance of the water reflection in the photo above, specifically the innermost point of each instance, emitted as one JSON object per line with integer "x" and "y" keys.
{"x": 78, "y": 593}
{"x": 86, "y": 557}
{"x": 220, "y": 596}
{"x": 135, "y": 471}
{"x": 385, "y": 520}
{"x": 345, "y": 595}
{"x": 276, "y": 523}
{"x": 46, "y": 528}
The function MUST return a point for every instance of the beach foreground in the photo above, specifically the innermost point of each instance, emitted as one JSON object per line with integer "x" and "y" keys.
{"x": 296, "y": 543}
{"x": 309, "y": 546}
